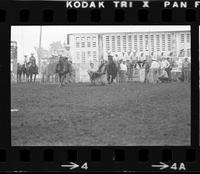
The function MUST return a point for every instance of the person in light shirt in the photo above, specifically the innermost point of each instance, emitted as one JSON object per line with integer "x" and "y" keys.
{"x": 91, "y": 68}
{"x": 123, "y": 71}
{"x": 116, "y": 58}
{"x": 164, "y": 63}
{"x": 153, "y": 72}
{"x": 186, "y": 67}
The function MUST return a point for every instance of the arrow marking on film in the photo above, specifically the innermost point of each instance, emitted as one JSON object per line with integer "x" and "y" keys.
{"x": 71, "y": 165}
{"x": 161, "y": 166}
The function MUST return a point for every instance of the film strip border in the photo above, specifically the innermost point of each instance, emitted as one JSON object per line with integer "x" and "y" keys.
{"x": 100, "y": 159}
{"x": 45, "y": 13}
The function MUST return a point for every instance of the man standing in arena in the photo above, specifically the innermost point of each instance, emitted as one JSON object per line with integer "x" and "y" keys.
{"x": 123, "y": 69}
{"x": 185, "y": 68}
{"x": 166, "y": 66}
{"x": 153, "y": 73}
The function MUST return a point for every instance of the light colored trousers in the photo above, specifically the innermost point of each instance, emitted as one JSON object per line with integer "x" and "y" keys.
{"x": 153, "y": 75}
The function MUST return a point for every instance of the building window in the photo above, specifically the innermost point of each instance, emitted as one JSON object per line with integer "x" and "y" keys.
{"x": 135, "y": 42}
{"x": 107, "y": 43}
{"x": 94, "y": 55}
{"x": 77, "y": 42}
{"x": 169, "y": 42}
{"x": 124, "y": 43}
{"x": 94, "y": 43}
{"x": 152, "y": 42}
{"x": 188, "y": 38}
{"x": 113, "y": 44}
{"x": 82, "y": 42}
{"x": 129, "y": 43}
{"x": 182, "y": 38}
{"x": 141, "y": 42}
{"x": 118, "y": 44}
{"x": 83, "y": 57}
{"x": 163, "y": 42}
{"x": 158, "y": 42}
{"x": 188, "y": 52}
{"x": 89, "y": 54}
{"x": 146, "y": 43}
{"x": 88, "y": 42}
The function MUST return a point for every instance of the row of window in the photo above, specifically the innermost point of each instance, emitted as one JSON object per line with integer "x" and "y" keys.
{"x": 86, "y": 41}
{"x": 84, "y": 56}
{"x": 161, "y": 42}
{"x": 153, "y": 42}
{"x": 185, "y": 53}
{"x": 185, "y": 38}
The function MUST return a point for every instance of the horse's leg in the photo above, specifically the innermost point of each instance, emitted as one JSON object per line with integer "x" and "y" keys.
{"x": 63, "y": 79}
{"x": 34, "y": 77}
{"x": 112, "y": 78}
{"x": 31, "y": 75}
{"x": 108, "y": 78}
{"x": 60, "y": 80}
{"x": 20, "y": 75}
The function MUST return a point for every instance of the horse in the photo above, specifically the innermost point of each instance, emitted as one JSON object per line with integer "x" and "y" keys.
{"x": 63, "y": 68}
{"x": 19, "y": 72}
{"x": 23, "y": 69}
{"x": 112, "y": 70}
{"x": 31, "y": 70}
{"x": 48, "y": 72}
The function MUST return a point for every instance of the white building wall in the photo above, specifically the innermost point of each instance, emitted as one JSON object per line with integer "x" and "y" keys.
{"x": 13, "y": 61}
{"x": 84, "y": 50}
{"x": 156, "y": 44}
{"x": 141, "y": 43}
{"x": 183, "y": 41}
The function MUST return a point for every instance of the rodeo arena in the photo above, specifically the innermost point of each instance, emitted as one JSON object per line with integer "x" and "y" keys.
{"x": 126, "y": 88}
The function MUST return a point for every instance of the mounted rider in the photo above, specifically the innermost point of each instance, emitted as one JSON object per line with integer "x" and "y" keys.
{"x": 25, "y": 59}
{"x": 32, "y": 59}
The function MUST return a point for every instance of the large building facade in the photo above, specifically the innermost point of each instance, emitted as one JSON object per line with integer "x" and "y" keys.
{"x": 13, "y": 61}
{"x": 92, "y": 47}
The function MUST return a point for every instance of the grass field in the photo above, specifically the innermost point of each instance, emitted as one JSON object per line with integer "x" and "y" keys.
{"x": 130, "y": 114}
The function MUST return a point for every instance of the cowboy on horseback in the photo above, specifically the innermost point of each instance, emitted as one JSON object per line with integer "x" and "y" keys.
{"x": 63, "y": 68}
{"x": 32, "y": 59}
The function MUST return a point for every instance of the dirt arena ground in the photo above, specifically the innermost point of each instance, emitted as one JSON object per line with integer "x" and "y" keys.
{"x": 127, "y": 114}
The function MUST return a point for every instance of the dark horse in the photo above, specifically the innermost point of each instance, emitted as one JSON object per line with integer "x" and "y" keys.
{"x": 19, "y": 72}
{"x": 63, "y": 68}
{"x": 112, "y": 70}
{"x": 23, "y": 69}
{"x": 31, "y": 70}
